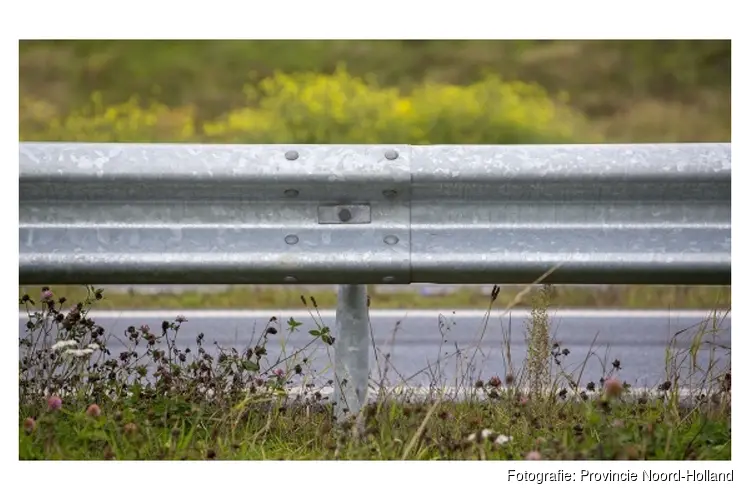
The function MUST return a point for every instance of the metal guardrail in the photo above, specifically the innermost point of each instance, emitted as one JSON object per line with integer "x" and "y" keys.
{"x": 354, "y": 215}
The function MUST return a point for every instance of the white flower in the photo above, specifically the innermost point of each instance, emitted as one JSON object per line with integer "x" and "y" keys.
{"x": 64, "y": 343}
{"x": 502, "y": 439}
{"x": 483, "y": 435}
{"x": 79, "y": 353}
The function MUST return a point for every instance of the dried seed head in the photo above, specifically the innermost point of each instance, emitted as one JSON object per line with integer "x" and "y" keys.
{"x": 726, "y": 383}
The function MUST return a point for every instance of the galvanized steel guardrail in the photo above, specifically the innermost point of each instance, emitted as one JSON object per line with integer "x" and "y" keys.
{"x": 354, "y": 215}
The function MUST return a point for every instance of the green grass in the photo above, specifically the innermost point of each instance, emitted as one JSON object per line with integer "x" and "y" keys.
{"x": 181, "y": 413}
{"x": 174, "y": 429}
{"x": 287, "y": 297}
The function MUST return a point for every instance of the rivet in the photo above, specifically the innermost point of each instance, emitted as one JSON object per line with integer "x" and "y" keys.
{"x": 389, "y": 279}
{"x": 390, "y": 193}
{"x": 391, "y": 239}
{"x": 345, "y": 215}
{"x": 291, "y": 155}
{"x": 291, "y": 193}
{"x": 291, "y": 239}
{"x": 290, "y": 279}
{"x": 391, "y": 154}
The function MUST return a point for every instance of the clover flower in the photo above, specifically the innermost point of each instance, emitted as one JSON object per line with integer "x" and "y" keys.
{"x": 54, "y": 403}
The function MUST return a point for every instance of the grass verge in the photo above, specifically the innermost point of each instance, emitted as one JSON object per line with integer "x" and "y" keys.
{"x": 79, "y": 399}
{"x": 286, "y": 297}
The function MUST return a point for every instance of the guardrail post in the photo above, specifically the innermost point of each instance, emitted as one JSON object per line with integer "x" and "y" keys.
{"x": 352, "y": 353}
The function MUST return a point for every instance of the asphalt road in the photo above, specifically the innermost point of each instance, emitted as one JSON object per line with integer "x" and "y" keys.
{"x": 417, "y": 339}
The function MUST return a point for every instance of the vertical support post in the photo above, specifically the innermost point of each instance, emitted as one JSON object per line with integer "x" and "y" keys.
{"x": 352, "y": 350}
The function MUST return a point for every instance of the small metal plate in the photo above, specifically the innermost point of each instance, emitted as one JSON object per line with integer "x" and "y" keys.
{"x": 344, "y": 214}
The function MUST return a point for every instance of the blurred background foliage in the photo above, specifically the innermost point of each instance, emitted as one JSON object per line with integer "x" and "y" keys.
{"x": 352, "y": 91}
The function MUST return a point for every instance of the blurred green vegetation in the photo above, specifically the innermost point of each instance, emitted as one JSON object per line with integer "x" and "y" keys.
{"x": 285, "y": 297}
{"x": 376, "y": 91}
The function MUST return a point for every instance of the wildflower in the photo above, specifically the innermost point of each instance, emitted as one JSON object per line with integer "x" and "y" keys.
{"x": 612, "y": 387}
{"x": 63, "y": 344}
{"x": 494, "y": 382}
{"x": 502, "y": 439}
{"x": 278, "y": 372}
{"x": 130, "y": 428}
{"x": 93, "y": 410}
{"x": 47, "y": 294}
{"x": 54, "y": 403}
{"x": 486, "y": 433}
{"x": 523, "y": 401}
{"x": 78, "y": 353}
{"x": 29, "y": 425}
{"x": 180, "y": 319}
{"x": 534, "y": 455}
